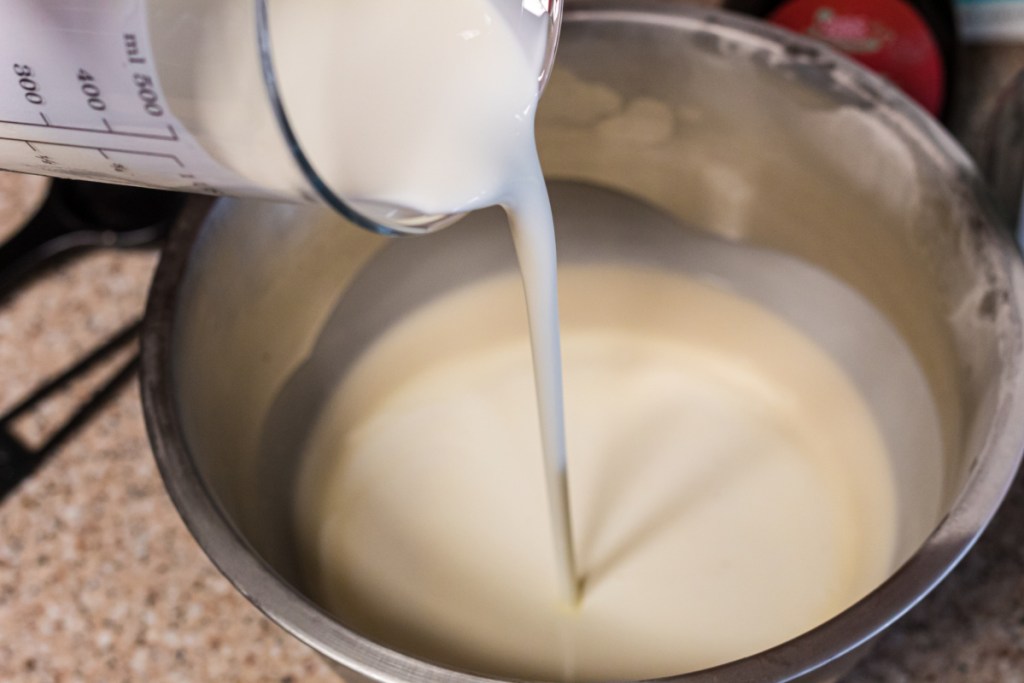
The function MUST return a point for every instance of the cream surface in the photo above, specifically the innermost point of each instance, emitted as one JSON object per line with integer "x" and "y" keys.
{"x": 729, "y": 488}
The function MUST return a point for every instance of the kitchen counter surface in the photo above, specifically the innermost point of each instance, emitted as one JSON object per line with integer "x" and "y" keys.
{"x": 100, "y": 581}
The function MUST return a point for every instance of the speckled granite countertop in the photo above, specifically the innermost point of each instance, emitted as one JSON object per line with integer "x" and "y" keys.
{"x": 100, "y": 581}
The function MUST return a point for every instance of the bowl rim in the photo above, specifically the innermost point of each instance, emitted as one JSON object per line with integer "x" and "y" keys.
{"x": 982, "y": 493}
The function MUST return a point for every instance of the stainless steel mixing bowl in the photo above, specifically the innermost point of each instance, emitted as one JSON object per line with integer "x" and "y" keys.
{"x": 761, "y": 140}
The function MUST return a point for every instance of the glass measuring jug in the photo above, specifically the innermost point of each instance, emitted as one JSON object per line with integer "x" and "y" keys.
{"x": 197, "y": 96}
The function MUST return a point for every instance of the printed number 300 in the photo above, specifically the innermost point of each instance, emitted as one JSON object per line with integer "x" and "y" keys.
{"x": 28, "y": 84}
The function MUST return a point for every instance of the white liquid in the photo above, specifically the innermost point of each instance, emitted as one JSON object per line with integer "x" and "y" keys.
{"x": 447, "y": 127}
{"x": 730, "y": 489}
{"x": 426, "y": 105}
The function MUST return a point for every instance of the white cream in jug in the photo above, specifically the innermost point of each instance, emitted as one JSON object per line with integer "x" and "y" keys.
{"x": 730, "y": 489}
{"x": 710, "y": 499}
{"x": 423, "y": 105}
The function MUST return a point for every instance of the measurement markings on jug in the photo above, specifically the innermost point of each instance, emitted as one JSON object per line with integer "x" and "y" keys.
{"x": 91, "y": 91}
{"x": 170, "y": 136}
{"x": 102, "y": 150}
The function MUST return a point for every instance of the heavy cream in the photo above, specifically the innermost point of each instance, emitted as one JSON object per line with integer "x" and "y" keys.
{"x": 730, "y": 489}
{"x": 431, "y": 108}
{"x": 423, "y": 105}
